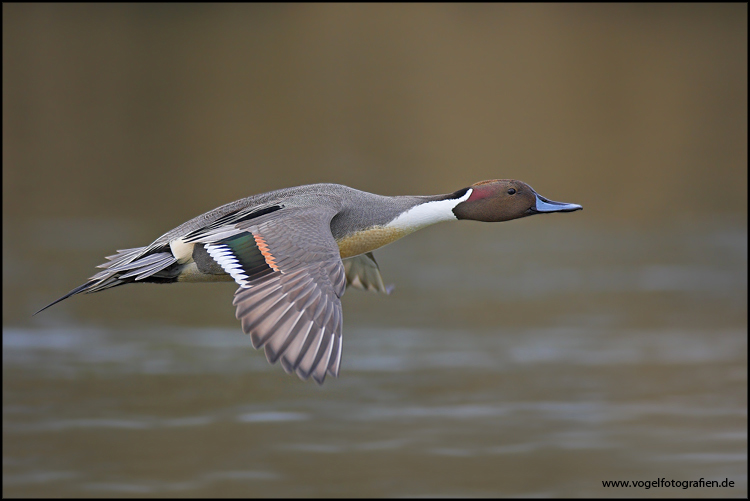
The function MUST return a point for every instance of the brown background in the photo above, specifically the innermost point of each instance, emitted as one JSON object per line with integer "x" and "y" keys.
{"x": 637, "y": 112}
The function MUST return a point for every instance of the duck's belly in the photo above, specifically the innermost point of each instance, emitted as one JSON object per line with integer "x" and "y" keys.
{"x": 190, "y": 272}
{"x": 369, "y": 240}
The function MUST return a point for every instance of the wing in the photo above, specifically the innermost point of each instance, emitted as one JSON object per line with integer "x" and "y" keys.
{"x": 362, "y": 272}
{"x": 291, "y": 278}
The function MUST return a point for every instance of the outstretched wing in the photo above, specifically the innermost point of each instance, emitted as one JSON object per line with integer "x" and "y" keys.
{"x": 291, "y": 278}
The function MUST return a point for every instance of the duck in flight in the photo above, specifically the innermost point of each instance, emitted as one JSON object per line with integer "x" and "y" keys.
{"x": 293, "y": 252}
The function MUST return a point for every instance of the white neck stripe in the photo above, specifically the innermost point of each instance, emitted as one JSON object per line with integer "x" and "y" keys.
{"x": 428, "y": 213}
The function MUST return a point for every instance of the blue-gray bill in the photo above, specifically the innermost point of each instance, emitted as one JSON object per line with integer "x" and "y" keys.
{"x": 545, "y": 205}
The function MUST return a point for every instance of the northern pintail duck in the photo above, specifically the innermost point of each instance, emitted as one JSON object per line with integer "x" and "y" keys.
{"x": 293, "y": 252}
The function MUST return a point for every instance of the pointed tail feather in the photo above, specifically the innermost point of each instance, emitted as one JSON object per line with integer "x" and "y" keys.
{"x": 129, "y": 265}
{"x": 80, "y": 288}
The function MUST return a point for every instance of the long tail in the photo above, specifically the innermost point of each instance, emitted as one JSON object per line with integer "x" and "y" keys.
{"x": 128, "y": 265}
{"x": 80, "y": 288}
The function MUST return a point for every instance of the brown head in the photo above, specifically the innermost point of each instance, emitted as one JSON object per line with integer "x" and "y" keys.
{"x": 505, "y": 199}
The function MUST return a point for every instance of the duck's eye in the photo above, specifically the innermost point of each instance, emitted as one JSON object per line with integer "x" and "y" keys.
{"x": 512, "y": 191}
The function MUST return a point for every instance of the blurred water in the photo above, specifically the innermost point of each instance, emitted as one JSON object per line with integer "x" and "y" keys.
{"x": 554, "y": 358}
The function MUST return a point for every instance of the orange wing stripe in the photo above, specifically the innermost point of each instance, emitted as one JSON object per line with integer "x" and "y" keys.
{"x": 263, "y": 247}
